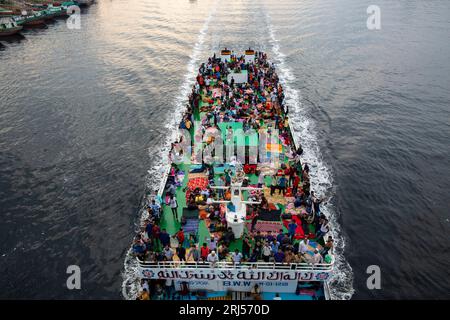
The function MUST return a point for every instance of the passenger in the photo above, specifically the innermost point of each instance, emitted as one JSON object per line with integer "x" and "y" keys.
{"x": 181, "y": 252}
{"x": 221, "y": 183}
{"x": 275, "y": 245}
{"x": 212, "y": 244}
{"x": 236, "y": 257}
{"x": 282, "y": 185}
{"x": 168, "y": 253}
{"x": 279, "y": 256}
{"x": 194, "y": 253}
{"x": 174, "y": 207}
{"x": 164, "y": 238}
{"x": 328, "y": 246}
{"x": 274, "y": 184}
{"x": 303, "y": 246}
{"x": 256, "y": 292}
{"x": 179, "y": 236}
{"x": 324, "y": 228}
{"x": 246, "y": 247}
{"x": 295, "y": 183}
{"x": 317, "y": 257}
{"x": 292, "y": 227}
{"x": 159, "y": 292}
{"x": 289, "y": 256}
{"x": 212, "y": 258}
{"x": 280, "y": 235}
{"x": 204, "y": 252}
{"x": 266, "y": 252}
{"x": 156, "y": 211}
{"x": 270, "y": 237}
{"x": 144, "y": 295}
{"x": 169, "y": 287}
{"x": 260, "y": 179}
{"x": 254, "y": 217}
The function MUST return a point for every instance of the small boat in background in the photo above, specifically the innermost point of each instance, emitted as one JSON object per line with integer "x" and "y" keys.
{"x": 6, "y": 12}
{"x": 36, "y": 18}
{"x": 8, "y": 26}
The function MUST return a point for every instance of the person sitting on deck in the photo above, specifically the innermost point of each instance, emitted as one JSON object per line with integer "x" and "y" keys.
{"x": 289, "y": 256}
{"x": 317, "y": 257}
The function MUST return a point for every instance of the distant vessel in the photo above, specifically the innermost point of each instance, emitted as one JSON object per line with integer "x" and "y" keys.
{"x": 35, "y": 18}
{"x": 235, "y": 200}
{"x": 6, "y": 12}
{"x": 8, "y": 26}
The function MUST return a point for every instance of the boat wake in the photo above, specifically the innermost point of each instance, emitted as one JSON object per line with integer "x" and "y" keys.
{"x": 341, "y": 284}
{"x": 131, "y": 283}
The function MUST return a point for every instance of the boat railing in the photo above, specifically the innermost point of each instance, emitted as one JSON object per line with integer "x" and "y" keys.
{"x": 323, "y": 267}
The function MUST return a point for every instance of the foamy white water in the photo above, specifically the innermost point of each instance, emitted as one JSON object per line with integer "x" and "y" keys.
{"x": 321, "y": 178}
{"x": 131, "y": 283}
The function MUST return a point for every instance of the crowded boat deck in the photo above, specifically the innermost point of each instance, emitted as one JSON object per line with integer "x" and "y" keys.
{"x": 235, "y": 202}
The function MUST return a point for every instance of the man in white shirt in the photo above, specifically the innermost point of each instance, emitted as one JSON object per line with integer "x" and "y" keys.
{"x": 212, "y": 258}
{"x": 168, "y": 253}
{"x": 236, "y": 256}
{"x": 303, "y": 246}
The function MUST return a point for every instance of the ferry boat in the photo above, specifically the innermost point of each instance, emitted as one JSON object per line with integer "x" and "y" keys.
{"x": 234, "y": 216}
{"x": 8, "y": 26}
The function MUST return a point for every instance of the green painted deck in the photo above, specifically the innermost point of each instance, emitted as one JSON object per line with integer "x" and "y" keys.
{"x": 168, "y": 221}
